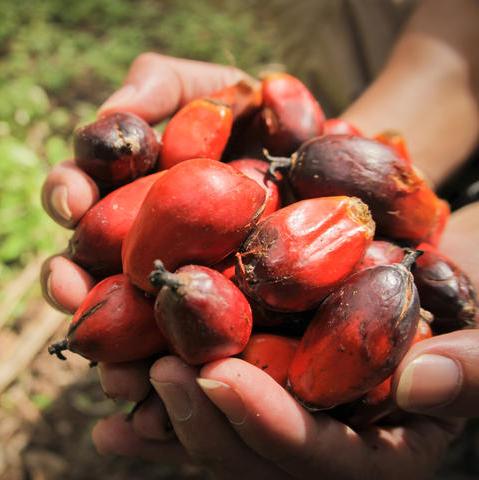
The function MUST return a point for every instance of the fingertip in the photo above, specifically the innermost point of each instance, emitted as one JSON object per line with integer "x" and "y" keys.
{"x": 64, "y": 284}
{"x": 68, "y": 193}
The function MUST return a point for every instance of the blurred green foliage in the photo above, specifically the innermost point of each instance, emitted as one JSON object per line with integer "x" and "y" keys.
{"x": 60, "y": 59}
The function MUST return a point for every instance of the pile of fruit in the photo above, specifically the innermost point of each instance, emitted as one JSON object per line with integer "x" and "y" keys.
{"x": 256, "y": 227}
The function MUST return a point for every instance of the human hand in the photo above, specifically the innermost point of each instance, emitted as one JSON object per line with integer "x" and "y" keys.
{"x": 155, "y": 87}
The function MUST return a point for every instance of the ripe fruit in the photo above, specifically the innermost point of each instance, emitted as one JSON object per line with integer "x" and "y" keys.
{"x": 301, "y": 253}
{"x": 290, "y": 114}
{"x": 199, "y": 130}
{"x": 338, "y": 126}
{"x": 202, "y": 314}
{"x": 445, "y": 290}
{"x": 358, "y": 336}
{"x": 96, "y": 243}
{"x": 257, "y": 170}
{"x": 402, "y": 204}
{"x": 116, "y": 149}
{"x": 115, "y": 323}
{"x": 272, "y": 353}
{"x": 380, "y": 252}
{"x": 198, "y": 211}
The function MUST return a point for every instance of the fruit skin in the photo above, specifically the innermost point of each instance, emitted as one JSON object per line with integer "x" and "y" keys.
{"x": 202, "y": 314}
{"x": 357, "y": 338}
{"x": 299, "y": 254}
{"x": 96, "y": 243}
{"x": 338, "y": 126}
{"x": 115, "y": 323}
{"x": 396, "y": 141}
{"x": 290, "y": 114}
{"x": 116, "y": 149}
{"x": 382, "y": 392}
{"x": 402, "y": 204}
{"x": 272, "y": 353}
{"x": 198, "y": 211}
{"x": 380, "y": 252}
{"x": 257, "y": 170}
{"x": 199, "y": 130}
{"x": 244, "y": 97}
{"x": 445, "y": 290}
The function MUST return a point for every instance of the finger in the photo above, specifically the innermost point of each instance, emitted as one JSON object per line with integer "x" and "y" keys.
{"x": 273, "y": 424}
{"x": 461, "y": 238}
{"x": 64, "y": 284}
{"x": 68, "y": 193}
{"x": 440, "y": 376}
{"x": 126, "y": 381}
{"x": 114, "y": 435}
{"x": 157, "y": 85}
{"x": 151, "y": 421}
{"x": 201, "y": 428}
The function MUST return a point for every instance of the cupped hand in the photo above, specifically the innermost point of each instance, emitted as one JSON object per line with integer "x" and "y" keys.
{"x": 155, "y": 87}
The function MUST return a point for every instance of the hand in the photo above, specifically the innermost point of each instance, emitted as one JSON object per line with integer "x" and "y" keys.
{"x": 253, "y": 427}
{"x": 155, "y": 87}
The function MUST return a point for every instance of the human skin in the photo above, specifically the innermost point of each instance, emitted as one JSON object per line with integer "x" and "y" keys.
{"x": 277, "y": 438}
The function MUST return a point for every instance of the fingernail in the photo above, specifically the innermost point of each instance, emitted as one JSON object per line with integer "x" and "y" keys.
{"x": 120, "y": 96}
{"x": 225, "y": 398}
{"x": 175, "y": 398}
{"x": 59, "y": 202}
{"x": 429, "y": 381}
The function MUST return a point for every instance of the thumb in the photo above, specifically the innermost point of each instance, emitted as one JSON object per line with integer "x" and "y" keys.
{"x": 440, "y": 376}
{"x": 157, "y": 85}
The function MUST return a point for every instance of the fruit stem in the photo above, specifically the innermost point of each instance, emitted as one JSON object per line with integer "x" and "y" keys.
{"x": 161, "y": 276}
{"x": 57, "y": 349}
{"x": 410, "y": 256}
{"x": 276, "y": 163}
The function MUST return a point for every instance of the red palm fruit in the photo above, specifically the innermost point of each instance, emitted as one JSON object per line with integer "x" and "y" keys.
{"x": 272, "y": 353}
{"x": 358, "y": 336}
{"x": 443, "y": 212}
{"x": 226, "y": 267}
{"x": 396, "y": 141}
{"x": 299, "y": 254}
{"x": 257, "y": 170}
{"x": 115, "y": 323}
{"x": 290, "y": 114}
{"x": 380, "y": 252}
{"x": 203, "y": 315}
{"x": 198, "y": 211}
{"x": 116, "y": 149}
{"x": 445, "y": 290}
{"x": 402, "y": 204}
{"x": 96, "y": 243}
{"x": 338, "y": 126}
{"x": 199, "y": 130}
{"x": 382, "y": 392}
{"x": 244, "y": 97}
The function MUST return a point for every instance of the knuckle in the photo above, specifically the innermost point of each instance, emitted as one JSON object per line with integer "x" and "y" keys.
{"x": 147, "y": 57}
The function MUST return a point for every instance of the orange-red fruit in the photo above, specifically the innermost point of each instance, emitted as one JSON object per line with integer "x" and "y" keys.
{"x": 401, "y": 203}
{"x": 396, "y": 141}
{"x": 244, "y": 97}
{"x": 338, "y": 126}
{"x": 445, "y": 290}
{"x": 199, "y": 130}
{"x": 115, "y": 323}
{"x": 116, "y": 149}
{"x": 382, "y": 392}
{"x": 380, "y": 252}
{"x": 290, "y": 114}
{"x": 357, "y": 338}
{"x": 271, "y": 353}
{"x": 299, "y": 254}
{"x": 203, "y": 315}
{"x": 226, "y": 267}
{"x": 199, "y": 211}
{"x": 257, "y": 170}
{"x": 96, "y": 243}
